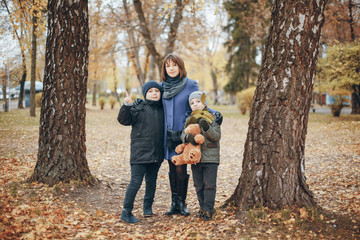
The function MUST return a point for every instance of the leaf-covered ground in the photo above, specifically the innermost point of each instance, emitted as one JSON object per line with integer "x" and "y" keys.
{"x": 72, "y": 211}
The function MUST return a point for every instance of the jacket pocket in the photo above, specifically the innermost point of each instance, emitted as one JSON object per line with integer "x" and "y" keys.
{"x": 212, "y": 145}
{"x": 141, "y": 149}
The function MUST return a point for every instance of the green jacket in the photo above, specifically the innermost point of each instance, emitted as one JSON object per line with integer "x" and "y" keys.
{"x": 210, "y": 149}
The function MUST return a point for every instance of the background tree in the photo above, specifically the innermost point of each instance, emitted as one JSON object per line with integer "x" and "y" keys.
{"x": 247, "y": 27}
{"x": 342, "y": 25}
{"x": 340, "y": 71}
{"x": 21, "y": 15}
{"x": 342, "y": 21}
{"x": 19, "y": 19}
{"x": 273, "y": 168}
{"x": 62, "y": 149}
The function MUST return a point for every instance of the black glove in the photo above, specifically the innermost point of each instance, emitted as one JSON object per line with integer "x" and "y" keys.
{"x": 190, "y": 138}
{"x": 203, "y": 124}
{"x": 172, "y": 138}
{"x": 137, "y": 101}
{"x": 218, "y": 118}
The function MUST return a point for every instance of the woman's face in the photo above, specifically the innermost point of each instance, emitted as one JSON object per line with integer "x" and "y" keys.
{"x": 172, "y": 69}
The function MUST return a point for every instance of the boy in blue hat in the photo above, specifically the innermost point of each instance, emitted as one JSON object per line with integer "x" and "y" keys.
{"x": 147, "y": 151}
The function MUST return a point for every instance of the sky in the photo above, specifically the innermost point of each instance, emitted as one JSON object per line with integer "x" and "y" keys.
{"x": 9, "y": 49}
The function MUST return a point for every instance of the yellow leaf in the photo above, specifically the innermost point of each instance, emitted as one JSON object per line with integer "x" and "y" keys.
{"x": 303, "y": 213}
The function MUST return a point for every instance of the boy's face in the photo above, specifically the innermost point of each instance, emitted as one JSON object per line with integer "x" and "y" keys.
{"x": 196, "y": 104}
{"x": 153, "y": 94}
{"x": 172, "y": 69}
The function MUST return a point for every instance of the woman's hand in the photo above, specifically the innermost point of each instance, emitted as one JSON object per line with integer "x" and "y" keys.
{"x": 128, "y": 98}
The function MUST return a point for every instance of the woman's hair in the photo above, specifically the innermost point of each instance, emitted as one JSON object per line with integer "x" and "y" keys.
{"x": 176, "y": 59}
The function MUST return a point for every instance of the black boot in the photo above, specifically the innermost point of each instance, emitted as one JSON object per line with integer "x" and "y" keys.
{"x": 207, "y": 216}
{"x": 182, "y": 190}
{"x": 148, "y": 212}
{"x": 174, "y": 209}
{"x": 127, "y": 216}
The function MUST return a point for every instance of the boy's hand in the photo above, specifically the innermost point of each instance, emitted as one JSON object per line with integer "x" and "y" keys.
{"x": 218, "y": 118}
{"x": 128, "y": 98}
{"x": 190, "y": 139}
{"x": 203, "y": 124}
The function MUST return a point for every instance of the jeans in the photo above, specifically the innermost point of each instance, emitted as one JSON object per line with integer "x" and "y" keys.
{"x": 204, "y": 176}
{"x": 138, "y": 171}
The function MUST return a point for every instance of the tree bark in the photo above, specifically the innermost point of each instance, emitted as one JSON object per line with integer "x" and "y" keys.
{"x": 273, "y": 168}
{"x": 62, "y": 149}
{"x": 33, "y": 66}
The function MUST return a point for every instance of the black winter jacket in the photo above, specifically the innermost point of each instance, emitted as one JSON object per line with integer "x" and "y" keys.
{"x": 147, "y": 133}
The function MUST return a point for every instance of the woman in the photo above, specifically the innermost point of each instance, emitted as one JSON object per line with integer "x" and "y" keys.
{"x": 177, "y": 88}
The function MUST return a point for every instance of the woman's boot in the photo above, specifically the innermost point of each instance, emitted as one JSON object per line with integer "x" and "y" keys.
{"x": 174, "y": 209}
{"x": 182, "y": 187}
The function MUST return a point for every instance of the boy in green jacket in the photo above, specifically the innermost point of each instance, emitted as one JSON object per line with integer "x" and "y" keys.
{"x": 205, "y": 172}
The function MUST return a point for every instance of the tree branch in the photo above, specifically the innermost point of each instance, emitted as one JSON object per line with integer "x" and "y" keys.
{"x": 174, "y": 27}
{"x": 145, "y": 32}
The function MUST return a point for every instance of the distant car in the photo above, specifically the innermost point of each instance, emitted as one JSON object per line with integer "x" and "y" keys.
{"x": 12, "y": 92}
{"x": 38, "y": 86}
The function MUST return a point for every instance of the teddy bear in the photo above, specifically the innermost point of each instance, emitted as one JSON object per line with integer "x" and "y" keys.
{"x": 188, "y": 153}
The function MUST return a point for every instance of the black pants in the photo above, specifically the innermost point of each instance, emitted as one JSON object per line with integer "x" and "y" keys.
{"x": 204, "y": 176}
{"x": 178, "y": 181}
{"x": 138, "y": 171}
{"x": 180, "y": 171}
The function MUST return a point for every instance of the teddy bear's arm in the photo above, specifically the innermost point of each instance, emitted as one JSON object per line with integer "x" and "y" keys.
{"x": 180, "y": 148}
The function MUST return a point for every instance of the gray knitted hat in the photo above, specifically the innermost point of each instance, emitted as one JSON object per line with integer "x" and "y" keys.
{"x": 197, "y": 94}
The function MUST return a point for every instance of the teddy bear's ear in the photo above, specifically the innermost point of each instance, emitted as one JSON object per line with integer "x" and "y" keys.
{"x": 203, "y": 98}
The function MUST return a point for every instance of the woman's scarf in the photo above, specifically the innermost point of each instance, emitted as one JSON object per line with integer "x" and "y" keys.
{"x": 173, "y": 85}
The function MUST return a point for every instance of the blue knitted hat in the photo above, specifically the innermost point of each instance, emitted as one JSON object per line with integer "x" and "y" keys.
{"x": 151, "y": 84}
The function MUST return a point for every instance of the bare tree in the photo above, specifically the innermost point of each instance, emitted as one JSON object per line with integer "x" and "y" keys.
{"x": 172, "y": 35}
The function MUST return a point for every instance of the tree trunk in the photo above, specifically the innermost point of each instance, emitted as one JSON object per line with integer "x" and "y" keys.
{"x": 351, "y": 20}
{"x": 145, "y": 32}
{"x": 22, "y": 49}
{"x": 33, "y": 66}
{"x": 94, "y": 94}
{"x": 4, "y": 86}
{"x": 355, "y": 99}
{"x": 114, "y": 74}
{"x": 174, "y": 26}
{"x": 22, "y": 89}
{"x": 62, "y": 149}
{"x": 273, "y": 168}
{"x": 214, "y": 82}
{"x": 134, "y": 45}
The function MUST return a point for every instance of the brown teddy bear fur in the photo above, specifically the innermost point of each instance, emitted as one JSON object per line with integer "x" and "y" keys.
{"x": 188, "y": 153}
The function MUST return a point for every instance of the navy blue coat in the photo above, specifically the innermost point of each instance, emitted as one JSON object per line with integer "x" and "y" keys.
{"x": 175, "y": 111}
